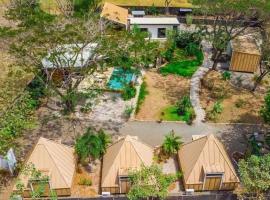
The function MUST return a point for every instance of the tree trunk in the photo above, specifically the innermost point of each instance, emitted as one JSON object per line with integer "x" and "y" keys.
{"x": 215, "y": 58}
{"x": 259, "y": 79}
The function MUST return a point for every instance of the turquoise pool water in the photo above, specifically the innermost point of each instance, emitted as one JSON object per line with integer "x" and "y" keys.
{"x": 120, "y": 78}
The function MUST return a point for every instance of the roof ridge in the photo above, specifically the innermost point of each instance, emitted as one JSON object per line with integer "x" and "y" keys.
{"x": 199, "y": 153}
{"x": 102, "y": 180}
{"x": 55, "y": 163}
{"x": 203, "y": 137}
{"x": 137, "y": 152}
{"x": 225, "y": 156}
{"x": 52, "y": 141}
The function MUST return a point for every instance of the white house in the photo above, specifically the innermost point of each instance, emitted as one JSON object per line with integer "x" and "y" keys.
{"x": 156, "y": 26}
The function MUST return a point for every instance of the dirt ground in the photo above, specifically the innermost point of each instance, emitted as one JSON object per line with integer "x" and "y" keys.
{"x": 239, "y": 105}
{"x": 163, "y": 91}
{"x": 79, "y": 190}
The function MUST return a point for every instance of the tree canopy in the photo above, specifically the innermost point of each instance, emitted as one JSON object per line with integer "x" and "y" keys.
{"x": 149, "y": 182}
{"x": 255, "y": 175}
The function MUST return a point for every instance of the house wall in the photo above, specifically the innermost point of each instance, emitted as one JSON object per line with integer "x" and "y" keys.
{"x": 244, "y": 62}
{"x": 112, "y": 190}
{"x": 225, "y": 186}
{"x": 153, "y": 29}
{"x": 59, "y": 192}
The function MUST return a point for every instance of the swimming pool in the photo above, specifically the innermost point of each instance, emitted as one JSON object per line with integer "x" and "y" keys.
{"x": 120, "y": 78}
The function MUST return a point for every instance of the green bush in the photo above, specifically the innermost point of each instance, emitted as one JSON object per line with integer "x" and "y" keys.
{"x": 265, "y": 110}
{"x": 142, "y": 94}
{"x": 215, "y": 111}
{"x": 183, "y": 38}
{"x": 226, "y": 75}
{"x": 129, "y": 92}
{"x": 183, "y": 105}
{"x": 191, "y": 49}
{"x": 85, "y": 181}
{"x": 128, "y": 110}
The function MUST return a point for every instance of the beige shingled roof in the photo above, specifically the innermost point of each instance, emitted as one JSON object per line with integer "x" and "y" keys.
{"x": 127, "y": 153}
{"x": 114, "y": 13}
{"x": 56, "y": 160}
{"x": 245, "y": 44}
{"x": 205, "y": 154}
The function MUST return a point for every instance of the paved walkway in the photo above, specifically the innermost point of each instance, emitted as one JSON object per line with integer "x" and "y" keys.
{"x": 195, "y": 84}
{"x": 231, "y": 135}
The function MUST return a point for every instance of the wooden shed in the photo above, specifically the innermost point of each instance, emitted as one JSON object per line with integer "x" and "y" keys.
{"x": 245, "y": 54}
{"x": 206, "y": 166}
{"x": 54, "y": 160}
{"x": 128, "y": 153}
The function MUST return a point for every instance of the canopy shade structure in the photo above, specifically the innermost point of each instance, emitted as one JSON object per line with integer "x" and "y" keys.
{"x": 206, "y": 165}
{"x": 69, "y": 55}
{"x": 54, "y": 160}
{"x": 126, "y": 154}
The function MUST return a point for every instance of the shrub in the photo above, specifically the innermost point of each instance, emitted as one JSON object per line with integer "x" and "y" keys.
{"x": 142, "y": 94}
{"x": 183, "y": 105}
{"x": 189, "y": 19}
{"x": 128, "y": 110}
{"x": 240, "y": 103}
{"x": 129, "y": 92}
{"x": 183, "y": 38}
{"x": 191, "y": 49}
{"x": 215, "y": 111}
{"x": 226, "y": 75}
{"x": 85, "y": 181}
{"x": 265, "y": 110}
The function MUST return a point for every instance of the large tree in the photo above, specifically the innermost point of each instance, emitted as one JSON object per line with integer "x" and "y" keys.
{"x": 255, "y": 176}
{"x": 63, "y": 43}
{"x": 265, "y": 58}
{"x": 230, "y": 19}
{"x": 149, "y": 182}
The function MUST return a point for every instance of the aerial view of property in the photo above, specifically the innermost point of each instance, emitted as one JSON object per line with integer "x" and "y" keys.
{"x": 135, "y": 100}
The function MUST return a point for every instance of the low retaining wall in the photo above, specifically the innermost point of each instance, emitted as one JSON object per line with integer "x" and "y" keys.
{"x": 214, "y": 196}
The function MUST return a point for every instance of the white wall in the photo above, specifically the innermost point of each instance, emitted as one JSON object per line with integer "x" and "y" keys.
{"x": 153, "y": 29}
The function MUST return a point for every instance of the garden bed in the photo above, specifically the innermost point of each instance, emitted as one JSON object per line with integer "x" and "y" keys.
{"x": 163, "y": 92}
{"x": 235, "y": 105}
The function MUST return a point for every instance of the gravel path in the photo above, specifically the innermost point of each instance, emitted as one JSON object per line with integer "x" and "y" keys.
{"x": 195, "y": 84}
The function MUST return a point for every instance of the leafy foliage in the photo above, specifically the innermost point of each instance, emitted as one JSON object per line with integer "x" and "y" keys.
{"x": 149, "y": 182}
{"x": 142, "y": 94}
{"x": 92, "y": 144}
{"x": 215, "y": 111}
{"x": 183, "y": 105}
{"x": 171, "y": 144}
{"x": 128, "y": 92}
{"x": 39, "y": 179}
{"x": 226, "y": 75}
{"x": 255, "y": 175}
{"x": 265, "y": 110}
{"x": 179, "y": 65}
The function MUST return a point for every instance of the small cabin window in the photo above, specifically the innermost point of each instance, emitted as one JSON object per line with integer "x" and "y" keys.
{"x": 144, "y": 29}
{"x": 161, "y": 32}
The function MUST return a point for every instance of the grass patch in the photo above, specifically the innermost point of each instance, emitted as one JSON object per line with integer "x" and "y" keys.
{"x": 170, "y": 113}
{"x": 143, "y": 93}
{"x": 185, "y": 68}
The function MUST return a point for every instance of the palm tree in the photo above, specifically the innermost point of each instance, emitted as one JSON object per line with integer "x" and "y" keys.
{"x": 105, "y": 140}
{"x": 171, "y": 144}
{"x": 92, "y": 144}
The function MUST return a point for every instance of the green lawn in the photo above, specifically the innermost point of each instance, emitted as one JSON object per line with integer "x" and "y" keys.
{"x": 170, "y": 114}
{"x": 182, "y": 65}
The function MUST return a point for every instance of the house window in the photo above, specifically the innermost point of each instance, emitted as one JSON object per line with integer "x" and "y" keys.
{"x": 144, "y": 29}
{"x": 175, "y": 28}
{"x": 161, "y": 32}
